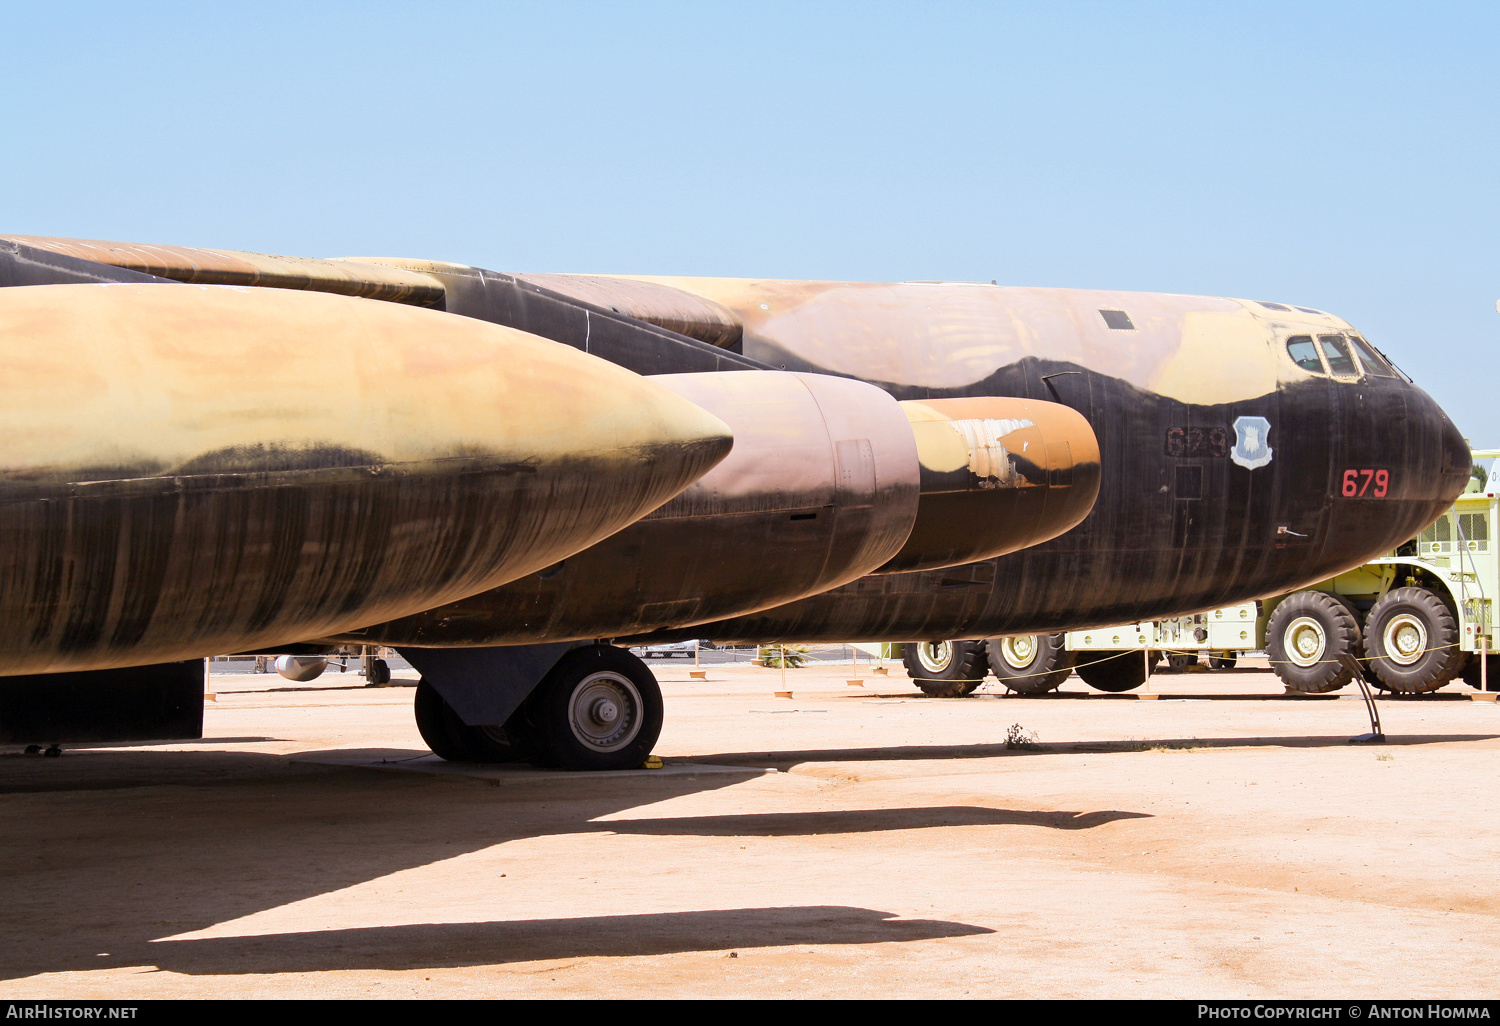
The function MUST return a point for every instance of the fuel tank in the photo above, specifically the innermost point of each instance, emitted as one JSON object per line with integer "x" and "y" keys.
{"x": 188, "y": 469}
{"x": 830, "y": 479}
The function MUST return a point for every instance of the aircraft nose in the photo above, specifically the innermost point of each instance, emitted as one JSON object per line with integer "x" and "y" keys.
{"x": 1439, "y": 456}
{"x": 1401, "y": 463}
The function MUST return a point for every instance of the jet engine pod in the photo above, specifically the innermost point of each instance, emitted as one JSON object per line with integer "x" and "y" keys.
{"x": 997, "y": 475}
{"x": 167, "y": 490}
{"x": 820, "y": 489}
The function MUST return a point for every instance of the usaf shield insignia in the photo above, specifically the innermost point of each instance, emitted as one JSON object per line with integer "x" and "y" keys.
{"x": 1251, "y": 435}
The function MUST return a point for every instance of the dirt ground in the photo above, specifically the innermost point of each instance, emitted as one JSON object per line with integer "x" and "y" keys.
{"x": 1218, "y": 841}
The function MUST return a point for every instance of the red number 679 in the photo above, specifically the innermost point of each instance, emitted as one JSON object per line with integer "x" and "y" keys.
{"x": 1357, "y": 483}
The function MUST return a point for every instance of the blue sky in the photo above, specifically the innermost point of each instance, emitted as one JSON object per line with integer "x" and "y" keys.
{"x": 1338, "y": 155}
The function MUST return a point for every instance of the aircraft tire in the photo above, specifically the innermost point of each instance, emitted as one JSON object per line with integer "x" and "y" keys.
{"x": 599, "y": 708}
{"x": 451, "y": 738}
{"x": 1223, "y": 662}
{"x": 1412, "y": 639}
{"x": 1031, "y": 664}
{"x": 1112, "y": 671}
{"x": 1306, "y": 639}
{"x": 945, "y": 669}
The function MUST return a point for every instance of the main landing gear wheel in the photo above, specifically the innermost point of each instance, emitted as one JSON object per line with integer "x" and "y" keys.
{"x": 945, "y": 669}
{"x": 451, "y": 738}
{"x": 1307, "y": 637}
{"x": 1412, "y": 639}
{"x": 1178, "y": 662}
{"x": 599, "y": 708}
{"x": 1029, "y": 664}
{"x": 1113, "y": 671}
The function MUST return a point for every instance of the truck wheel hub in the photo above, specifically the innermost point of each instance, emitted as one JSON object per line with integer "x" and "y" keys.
{"x": 1306, "y": 641}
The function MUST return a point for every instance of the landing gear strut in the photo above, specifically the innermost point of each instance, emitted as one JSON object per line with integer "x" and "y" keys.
{"x": 597, "y": 708}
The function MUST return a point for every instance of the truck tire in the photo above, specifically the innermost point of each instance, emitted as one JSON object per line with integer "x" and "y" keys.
{"x": 1412, "y": 639}
{"x": 1178, "y": 662}
{"x": 1113, "y": 671}
{"x": 1308, "y": 635}
{"x": 945, "y": 669}
{"x": 1226, "y": 661}
{"x": 1029, "y": 664}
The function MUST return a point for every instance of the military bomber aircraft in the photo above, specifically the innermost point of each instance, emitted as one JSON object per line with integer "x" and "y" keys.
{"x": 540, "y": 466}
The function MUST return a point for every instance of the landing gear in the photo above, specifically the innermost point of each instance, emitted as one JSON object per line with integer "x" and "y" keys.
{"x": 1308, "y": 635}
{"x": 377, "y": 672}
{"x": 451, "y": 738}
{"x": 1114, "y": 671}
{"x": 1412, "y": 639}
{"x": 598, "y": 708}
{"x": 1030, "y": 664}
{"x": 1222, "y": 662}
{"x": 945, "y": 669}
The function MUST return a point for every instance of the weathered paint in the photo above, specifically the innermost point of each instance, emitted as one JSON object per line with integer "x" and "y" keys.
{"x": 172, "y": 483}
{"x": 998, "y": 475}
{"x": 662, "y": 305}
{"x": 1162, "y": 379}
{"x": 820, "y": 489}
{"x": 231, "y": 267}
{"x": 1177, "y": 525}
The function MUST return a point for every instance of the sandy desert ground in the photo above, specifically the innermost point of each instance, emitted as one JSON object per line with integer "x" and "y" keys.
{"x": 1217, "y": 841}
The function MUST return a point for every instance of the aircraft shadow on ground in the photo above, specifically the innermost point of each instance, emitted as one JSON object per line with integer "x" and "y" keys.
{"x": 784, "y": 760}
{"x": 114, "y": 850}
{"x": 453, "y": 945}
{"x": 858, "y": 821}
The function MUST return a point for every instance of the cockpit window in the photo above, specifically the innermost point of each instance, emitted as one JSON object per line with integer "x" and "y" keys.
{"x": 1367, "y": 356}
{"x": 1304, "y": 354}
{"x": 1337, "y": 352}
{"x": 1118, "y": 320}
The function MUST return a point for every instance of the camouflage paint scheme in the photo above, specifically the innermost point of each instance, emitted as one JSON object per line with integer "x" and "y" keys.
{"x": 167, "y": 489}
{"x": 1180, "y": 522}
{"x": 794, "y": 511}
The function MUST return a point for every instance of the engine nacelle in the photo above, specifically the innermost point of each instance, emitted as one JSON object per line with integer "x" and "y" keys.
{"x": 998, "y": 475}
{"x": 820, "y": 489}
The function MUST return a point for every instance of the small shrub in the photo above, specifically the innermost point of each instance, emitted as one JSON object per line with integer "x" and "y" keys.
{"x": 1019, "y": 737}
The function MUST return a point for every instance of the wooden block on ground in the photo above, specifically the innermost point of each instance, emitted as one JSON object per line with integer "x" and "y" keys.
{"x": 783, "y": 694}
{"x": 698, "y": 674}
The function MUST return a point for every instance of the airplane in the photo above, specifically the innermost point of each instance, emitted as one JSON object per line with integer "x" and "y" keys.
{"x": 909, "y": 461}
